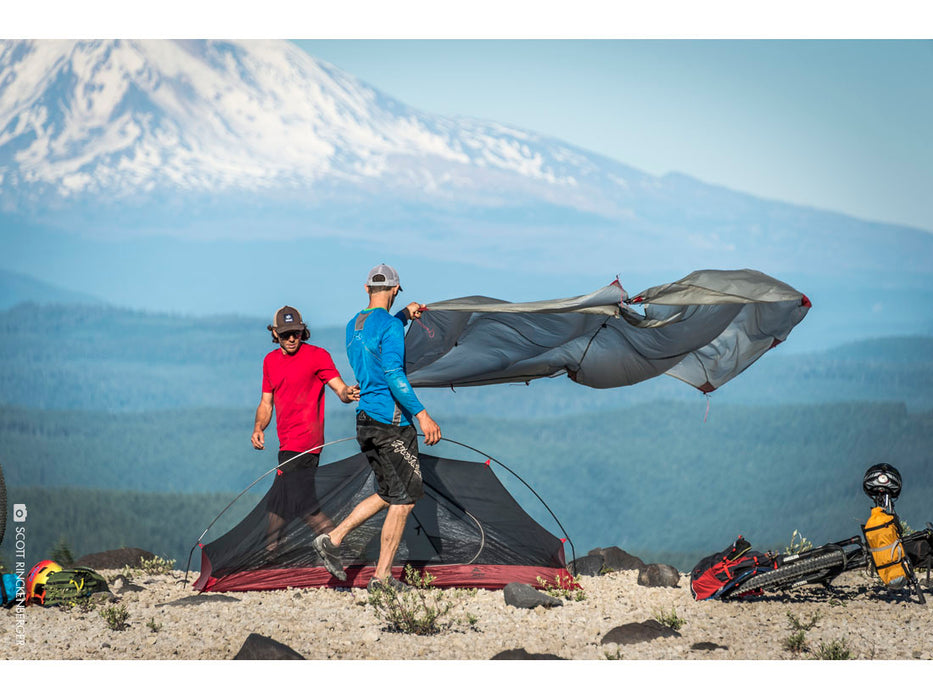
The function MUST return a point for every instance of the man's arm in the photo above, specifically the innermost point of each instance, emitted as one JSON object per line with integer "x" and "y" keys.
{"x": 345, "y": 393}
{"x": 393, "y": 365}
{"x": 263, "y": 418}
{"x": 393, "y": 362}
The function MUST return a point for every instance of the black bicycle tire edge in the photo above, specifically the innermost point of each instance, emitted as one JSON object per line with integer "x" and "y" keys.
{"x": 790, "y": 572}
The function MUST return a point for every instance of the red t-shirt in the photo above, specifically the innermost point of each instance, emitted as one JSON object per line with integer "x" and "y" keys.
{"x": 296, "y": 383}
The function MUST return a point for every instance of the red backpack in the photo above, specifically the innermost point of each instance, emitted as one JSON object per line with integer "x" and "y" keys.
{"x": 717, "y": 574}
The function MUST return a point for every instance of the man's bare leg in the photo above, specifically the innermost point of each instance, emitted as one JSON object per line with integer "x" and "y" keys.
{"x": 364, "y": 510}
{"x": 319, "y": 522}
{"x": 392, "y": 530}
{"x": 274, "y": 531}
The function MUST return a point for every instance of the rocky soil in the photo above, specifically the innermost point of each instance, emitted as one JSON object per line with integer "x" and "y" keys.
{"x": 616, "y": 619}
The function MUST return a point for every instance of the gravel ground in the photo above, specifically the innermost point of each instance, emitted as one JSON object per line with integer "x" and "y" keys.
{"x": 171, "y": 622}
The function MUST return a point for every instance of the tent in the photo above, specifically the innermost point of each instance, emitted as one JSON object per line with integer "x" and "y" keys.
{"x": 704, "y": 329}
{"x": 466, "y": 531}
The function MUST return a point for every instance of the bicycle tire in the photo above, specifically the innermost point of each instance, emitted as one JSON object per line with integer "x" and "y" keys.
{"x": 787, "y": 575}
{"x": 2, "y": 506}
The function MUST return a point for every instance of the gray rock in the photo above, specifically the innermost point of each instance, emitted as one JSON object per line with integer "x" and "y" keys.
{"x": 121, "y": 585}
{"x": 114, "y": 558}
{"x": 616, "y": 559}
{"x": 102, "y": 597}
{"x": 707, "y": 646}
{"x": 590, "y": 565}
{"x": 658, "y": 575}
{"x": 522, "y": 595}
{"x": 259, "y": 648}
{"x": 635, "y": 632}
{"x": 521, "y": 655}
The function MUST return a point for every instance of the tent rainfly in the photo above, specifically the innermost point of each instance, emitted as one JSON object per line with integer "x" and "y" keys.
{"x": 704, "y": 329}
{"x": 466, "y": 531}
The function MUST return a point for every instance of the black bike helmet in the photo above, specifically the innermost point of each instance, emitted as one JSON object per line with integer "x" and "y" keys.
{"x": 881, "y": 480}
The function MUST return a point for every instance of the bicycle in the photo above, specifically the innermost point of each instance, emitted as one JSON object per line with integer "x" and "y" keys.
{"x": 823, "y": 564}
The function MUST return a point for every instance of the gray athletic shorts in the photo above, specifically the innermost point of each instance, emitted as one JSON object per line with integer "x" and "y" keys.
{"x": 392, "y": 451}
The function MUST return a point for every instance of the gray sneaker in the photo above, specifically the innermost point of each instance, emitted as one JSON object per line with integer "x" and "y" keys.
{"x": 390, "y": 583}
{"x": 330, "y": 554}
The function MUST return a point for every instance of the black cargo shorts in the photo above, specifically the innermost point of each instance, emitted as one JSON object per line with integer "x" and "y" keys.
{"x": 392, "y": 451}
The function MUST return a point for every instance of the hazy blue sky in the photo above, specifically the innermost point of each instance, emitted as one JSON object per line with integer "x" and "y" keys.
{"x": 843, "y": 125}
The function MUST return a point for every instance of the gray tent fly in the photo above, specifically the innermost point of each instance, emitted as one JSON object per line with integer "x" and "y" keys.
{"x": 704, "y": 329}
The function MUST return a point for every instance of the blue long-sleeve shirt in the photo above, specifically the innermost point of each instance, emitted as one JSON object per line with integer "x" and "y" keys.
{"x": 376, "y": 350}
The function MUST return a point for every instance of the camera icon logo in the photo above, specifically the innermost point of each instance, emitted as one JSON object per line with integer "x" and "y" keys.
{"x": 19, "y": 512}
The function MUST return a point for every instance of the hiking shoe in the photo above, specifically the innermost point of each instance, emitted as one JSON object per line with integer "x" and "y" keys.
{"x": 330, "y": 554}
{"x": 390, "y": 583}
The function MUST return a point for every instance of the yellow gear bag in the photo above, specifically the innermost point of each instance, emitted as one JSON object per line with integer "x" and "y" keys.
{"x": 883, "y": 535}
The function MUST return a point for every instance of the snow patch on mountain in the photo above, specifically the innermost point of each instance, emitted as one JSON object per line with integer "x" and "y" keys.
{"x": 123, "y": 117}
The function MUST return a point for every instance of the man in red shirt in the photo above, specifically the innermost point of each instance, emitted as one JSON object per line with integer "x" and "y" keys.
{"x": 293, "y": 381}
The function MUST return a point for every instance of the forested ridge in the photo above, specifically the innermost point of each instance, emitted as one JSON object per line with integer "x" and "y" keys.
{"x": 119, "y": 360}
{"x": 119, "y": 407}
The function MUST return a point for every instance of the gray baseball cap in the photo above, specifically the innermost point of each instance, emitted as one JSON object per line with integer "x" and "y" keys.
{"x": 383, "y": 276}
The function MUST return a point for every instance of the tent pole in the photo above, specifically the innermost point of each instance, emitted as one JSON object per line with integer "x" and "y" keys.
{"x": 572, "y": 551}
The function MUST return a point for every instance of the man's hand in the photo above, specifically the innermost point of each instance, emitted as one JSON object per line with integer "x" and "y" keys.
{"x": 415, "y": 309}
{"x": 430, "y": 429}
{"x": 344, "y": 392}
{"x": 259, "y": 439}
{"x": 263, "y": 418}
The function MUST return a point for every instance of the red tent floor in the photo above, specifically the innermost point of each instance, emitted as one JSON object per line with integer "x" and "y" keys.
{"x": 446, "y": 576}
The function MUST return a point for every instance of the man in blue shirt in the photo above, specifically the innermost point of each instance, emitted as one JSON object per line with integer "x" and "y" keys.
{"x": 384, "y": 429}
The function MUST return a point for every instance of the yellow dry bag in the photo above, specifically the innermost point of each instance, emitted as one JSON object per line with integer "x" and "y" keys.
{"x": 883, "y": 535}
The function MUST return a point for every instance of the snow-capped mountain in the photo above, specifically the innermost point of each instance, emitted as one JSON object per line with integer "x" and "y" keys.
{"x": 118, "y": 118}
{"x": 136, "y": 142}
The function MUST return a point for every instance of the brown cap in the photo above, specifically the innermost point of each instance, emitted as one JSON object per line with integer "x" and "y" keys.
{"x": 287, "y": 319}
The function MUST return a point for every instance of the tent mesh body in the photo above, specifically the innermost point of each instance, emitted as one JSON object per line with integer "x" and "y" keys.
{"x": 467, "y": 530}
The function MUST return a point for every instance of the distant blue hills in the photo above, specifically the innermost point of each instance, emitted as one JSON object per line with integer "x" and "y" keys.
{"x": 85, "y": 356}
{"x": 17, "y": 289}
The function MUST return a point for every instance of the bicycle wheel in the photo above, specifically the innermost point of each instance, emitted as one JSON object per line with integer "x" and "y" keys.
{"x": 2, "y": 506}
{"x": 797, "y": 572}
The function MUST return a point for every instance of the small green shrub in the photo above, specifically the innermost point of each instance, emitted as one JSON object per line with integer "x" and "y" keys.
{"x": 670, "y": 619}
{"x": 115, "y": 616}
{"x": 153, "y": 625}
{"x": 156, "y": 565}
{"x": 799, "y": 626}
{"x": 836, "y": 650}
{"x": 797, "y": 642}
{"x": 418, "y": 611}
{"x": 798, "y": 544}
